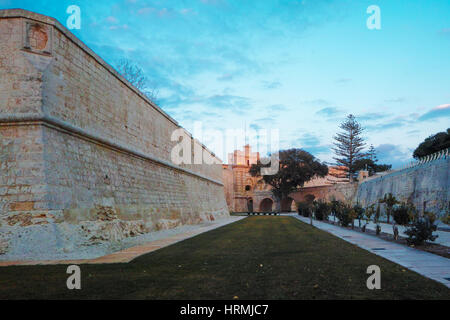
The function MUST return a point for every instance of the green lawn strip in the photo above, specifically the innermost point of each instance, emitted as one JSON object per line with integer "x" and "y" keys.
{"x": 261, "y": 257}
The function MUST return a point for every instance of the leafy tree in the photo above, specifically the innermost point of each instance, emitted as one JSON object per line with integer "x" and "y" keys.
{"x": 359, "y": 211}
{"x": 403, "y": 214}
{"x": 369, "y": 165}
{"x": 382, "y": 167}
{"x": 345, "y": 214}
{"x": 349, "y": 144}
{"x": 434, "y": 143}
{"x": 296, "y": 167}
{"x": 372, "y": 154}
{"x": 376, "y": 219}
{"x": 390, "y": 201}
{"x": 136, "y": 76}
{"x": 368, "y": 213}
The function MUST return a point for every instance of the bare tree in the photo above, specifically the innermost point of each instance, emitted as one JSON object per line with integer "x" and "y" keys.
{"x": 349, "y": 144}
{"x": 136, "y": 76}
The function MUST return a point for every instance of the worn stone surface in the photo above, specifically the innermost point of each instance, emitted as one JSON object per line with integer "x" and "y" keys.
{"x": 81, "y": 146}
{"x": 427, "y": 186}
{"x": 340, "y": 191}
{"x": 242, "y": 191}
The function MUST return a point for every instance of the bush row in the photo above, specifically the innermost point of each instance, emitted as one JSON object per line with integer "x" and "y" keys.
{"x": 420, "y": 227}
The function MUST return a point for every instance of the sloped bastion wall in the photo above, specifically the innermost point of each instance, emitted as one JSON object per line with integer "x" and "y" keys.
{"x": 86, "y": 158}
{"x": 426, "y": 185}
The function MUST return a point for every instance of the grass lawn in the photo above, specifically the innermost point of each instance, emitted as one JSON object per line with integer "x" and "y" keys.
{"x": 261, "y": 257}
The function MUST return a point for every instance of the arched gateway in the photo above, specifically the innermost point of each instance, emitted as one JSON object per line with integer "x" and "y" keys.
{"x": 266, "y": 205}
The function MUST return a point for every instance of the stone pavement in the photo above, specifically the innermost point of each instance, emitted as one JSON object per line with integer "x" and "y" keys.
{"x": 129, "y": 254}
{"x": 427, "y": 264}
{"x": 442, "y": 239}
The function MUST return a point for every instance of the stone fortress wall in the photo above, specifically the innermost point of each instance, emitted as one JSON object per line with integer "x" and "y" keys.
{"x": 425, "y": 185}
{"x": 81, "y": 146}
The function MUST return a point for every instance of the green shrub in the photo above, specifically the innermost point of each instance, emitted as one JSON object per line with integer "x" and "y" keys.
{"x": 303, "y": 208}
{"x": 321, "y": 210}
{"x": 368, "y": 213}
{"x": 390, "y": 201}
{"x": 446, "y": 219}
{"x": 344, "y": 213}
{"x": 402, "y": 214}
{"x": 358, "y": 212}
{"x": 430, "y": 215}
{"x": 421, "y": 230}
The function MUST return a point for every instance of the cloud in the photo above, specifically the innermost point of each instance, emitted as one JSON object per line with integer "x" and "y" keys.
{"x": 219, "y": 102}
{"x": 122, "y": 27}
{"x": 308, "y": 140}
{"x": 162, "y": 12}
{"x": 395, "y": 100}
{"x": 112, "y": 19}
{"x": 371, "y": 116}
{"x": 442, "y": 111}
{"x": 188, "y": 11}
{"x": 227, "y": 101}
{"x": 311, "y": 143}
{"x": 386, "y": 125}
{"x": 444, "y": 31}
{"x": 271, "y": 84}
{"x": 256, "y": 127}
{"x": 226, "y": 77}
{"x": 391, "y": 154}
{"x": 277, "y": 107}
{"x": 212, "y": 2}
{"x": 146, "y": 10}
{"x": 328, "y": 112}
{"x": 318, "y": 102}
{"x": 343, "y": 80}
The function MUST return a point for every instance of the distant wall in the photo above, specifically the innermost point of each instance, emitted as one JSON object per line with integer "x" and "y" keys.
{"x": 339, "y": 191}
{"x": 426, "y": 185}
{"x": 80, "y": 143}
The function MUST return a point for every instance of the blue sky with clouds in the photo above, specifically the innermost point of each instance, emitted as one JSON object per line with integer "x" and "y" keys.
{"x": 299, "y": 66}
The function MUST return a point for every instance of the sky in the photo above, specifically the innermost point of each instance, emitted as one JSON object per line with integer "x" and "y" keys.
{"x": 296, "y": 66}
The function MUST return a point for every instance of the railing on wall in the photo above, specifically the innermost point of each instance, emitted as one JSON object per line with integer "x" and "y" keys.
{"x": 443, "y": 154}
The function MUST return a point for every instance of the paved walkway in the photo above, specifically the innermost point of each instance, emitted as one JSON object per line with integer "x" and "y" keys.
{"x": 427, "y": 264}
{"x": 129, "y": 254}
{"x": 443, "y": 236}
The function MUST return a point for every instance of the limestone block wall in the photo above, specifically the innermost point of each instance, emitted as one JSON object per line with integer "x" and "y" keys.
{"x": 427, "y": 186}
{"x": 340, "y": 191}
{"x": 81, "y": 146}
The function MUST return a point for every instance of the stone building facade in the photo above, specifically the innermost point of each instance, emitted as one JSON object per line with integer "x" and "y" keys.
{"x": 243, "y": 192}
{"x": 82, "y": 149}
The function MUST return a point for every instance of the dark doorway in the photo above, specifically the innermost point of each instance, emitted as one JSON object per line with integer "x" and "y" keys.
{"x": 266, "y": 205}
{"x": 250, "y": 205}
{"x": 286, "y": 205}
